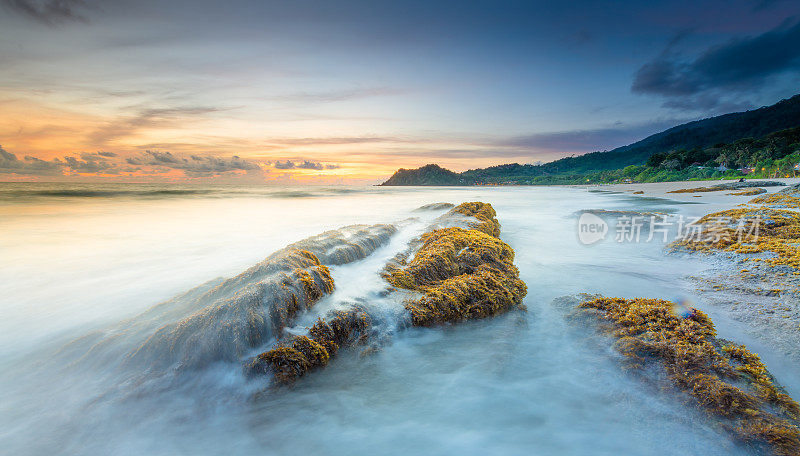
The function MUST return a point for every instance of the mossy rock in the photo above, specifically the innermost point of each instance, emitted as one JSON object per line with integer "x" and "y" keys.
{"x": 728, "y": 381}
{"x": 297, "y": 355}
{"x": 464, "y": 274}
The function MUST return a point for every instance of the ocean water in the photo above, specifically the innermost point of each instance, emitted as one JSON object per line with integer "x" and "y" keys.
{"x": 80, "y": 259}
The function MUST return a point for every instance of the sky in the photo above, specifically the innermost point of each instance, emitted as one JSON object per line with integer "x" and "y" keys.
{"x": 347, "y": 92}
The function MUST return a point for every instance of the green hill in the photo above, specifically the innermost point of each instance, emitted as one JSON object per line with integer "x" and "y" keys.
{"x": 700, "y": 135}
{"x": 426, "y": 175}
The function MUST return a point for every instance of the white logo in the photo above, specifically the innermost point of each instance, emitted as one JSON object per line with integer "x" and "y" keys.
{"x": 591, "y": 228}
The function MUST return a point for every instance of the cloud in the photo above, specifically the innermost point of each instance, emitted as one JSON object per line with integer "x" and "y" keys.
{"x": 107, "y": 154}
{"x": 284, "y": 164}
{"x": 9, "y": 163}
{"x": 723, "y": 72}
{"x": 148, "y": 162}
{"x": 310, "y": 165}
{"x": 194, "y": 165}
{"x": 303, "y": 164}
{"x": 144, "y": 119}
{"x": 50, "y": 12}
{"x": 88, "y": 164}
{"x": 587, "y": 140}
{"x": 336, "y": 95}
{"x": 341, "y": 140}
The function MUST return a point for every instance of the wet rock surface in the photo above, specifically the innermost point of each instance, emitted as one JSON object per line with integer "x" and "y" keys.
{"x": 726, "y": 380}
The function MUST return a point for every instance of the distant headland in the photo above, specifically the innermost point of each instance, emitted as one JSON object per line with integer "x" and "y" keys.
{"x": 761, "y": 143}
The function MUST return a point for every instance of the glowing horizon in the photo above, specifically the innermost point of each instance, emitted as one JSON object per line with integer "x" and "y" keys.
{"x": 273, "y": 92}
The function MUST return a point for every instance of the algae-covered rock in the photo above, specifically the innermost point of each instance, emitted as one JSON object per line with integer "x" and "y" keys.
{"x": 287, "y": 283}
{"x": 697, "y": 190}
{"x": 749, "y": 192}
{"x": 726, "y": 380}
{"x": 730, "y": 186}
{"x": 462, "y": 273}
{"x": 241, "y": 313}
{"x": 435, "y": 207}
{"x": 786, "y": 198}
{"x": 483, "y": 212}
{"x": 346, "y": 244}
{"x": 749, "y": 184}
{"x": 750, "y": 230}
{"x": 295, "y": 356}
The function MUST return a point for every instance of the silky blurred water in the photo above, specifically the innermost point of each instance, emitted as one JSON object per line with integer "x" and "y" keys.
{"x": 79, "y": 258}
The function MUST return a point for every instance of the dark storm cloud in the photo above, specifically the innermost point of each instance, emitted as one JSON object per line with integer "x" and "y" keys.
{"x": 49, "y": 12}
{"x": 739, "y": 66}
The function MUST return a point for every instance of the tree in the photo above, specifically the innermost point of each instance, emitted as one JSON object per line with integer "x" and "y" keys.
{"x": 656, "y": 159}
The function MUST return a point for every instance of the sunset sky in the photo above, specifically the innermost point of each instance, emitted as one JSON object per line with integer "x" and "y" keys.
{"x": 346, "y": 92}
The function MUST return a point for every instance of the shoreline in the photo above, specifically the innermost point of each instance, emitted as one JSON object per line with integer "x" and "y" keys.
{"x": 760, "y": 299}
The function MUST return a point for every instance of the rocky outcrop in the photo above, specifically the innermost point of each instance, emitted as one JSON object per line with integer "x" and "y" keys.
{"x": 788, "y": 198}
{"x": 291, "y": 358}
{"x": 460, "y": 273}
{"x": 725, "y": 379}
{"x": 226, "y": 319}
{"x": 730, "y": 186}
{"x": 749, "y": 192}
{"x": 435, "y": 207}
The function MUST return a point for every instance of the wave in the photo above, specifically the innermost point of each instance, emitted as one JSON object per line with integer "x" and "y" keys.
{"x": 12, "y": 192}
{"x": 225, "y": 319}
{"x": 67, "y": 193}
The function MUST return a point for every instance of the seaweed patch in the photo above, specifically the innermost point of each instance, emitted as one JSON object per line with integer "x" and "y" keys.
{"x": 292, "y": 358}
{"x": 750, "y": 230}
{"x": 463, "y": 273}
{"x": 726, "y": 380}
{"x": 749, "y": 192}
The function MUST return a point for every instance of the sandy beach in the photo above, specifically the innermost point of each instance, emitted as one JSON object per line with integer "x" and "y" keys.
{"x": 762, "y": 299}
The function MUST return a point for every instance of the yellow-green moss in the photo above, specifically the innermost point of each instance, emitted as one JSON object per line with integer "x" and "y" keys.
{"x": 726, "y": 380}
{"x": 485, "y": 215}
{"x": 294, "y": 357}
{"x": 315, "y": 281}
{"x": 698, "y": 190}
{"x": 462, "y": 273}
{"x": 782, "y": 198}
{"x": 778, "y": 233}
{"x": 749, "y": 192}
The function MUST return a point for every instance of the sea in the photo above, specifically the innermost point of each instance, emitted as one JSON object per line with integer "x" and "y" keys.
{"x": 77, "y": 260}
